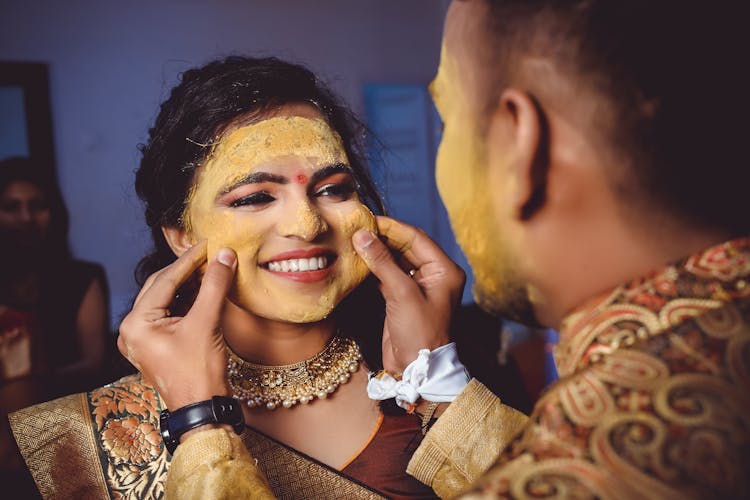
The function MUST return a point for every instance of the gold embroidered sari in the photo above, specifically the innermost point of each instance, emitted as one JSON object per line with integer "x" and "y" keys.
{"x": 106, "y": 444}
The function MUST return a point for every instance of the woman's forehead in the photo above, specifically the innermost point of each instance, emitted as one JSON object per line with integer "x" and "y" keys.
{"x": 22, "y": 189}
{"x": 277, "y": 141}
{"x": 301, "y": 109}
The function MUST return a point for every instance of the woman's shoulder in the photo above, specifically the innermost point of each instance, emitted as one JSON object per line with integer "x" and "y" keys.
{"x": 67, "y": 285}
{"x": 105, "y": 440}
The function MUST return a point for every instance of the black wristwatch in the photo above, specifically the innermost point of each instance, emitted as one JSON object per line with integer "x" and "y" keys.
{"x": 217, "y": 410}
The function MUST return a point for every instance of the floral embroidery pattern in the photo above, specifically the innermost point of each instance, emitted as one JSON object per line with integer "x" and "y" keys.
{"x": 131, "y": 440}
{"x": 126, "y": 418}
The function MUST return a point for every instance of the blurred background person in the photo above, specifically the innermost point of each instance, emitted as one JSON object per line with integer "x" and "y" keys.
{"x": 54, "y": 320}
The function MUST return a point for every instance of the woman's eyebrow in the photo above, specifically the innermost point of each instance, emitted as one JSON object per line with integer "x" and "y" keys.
{"x": 255, "y": 178}
{"x": 336, "y": 168}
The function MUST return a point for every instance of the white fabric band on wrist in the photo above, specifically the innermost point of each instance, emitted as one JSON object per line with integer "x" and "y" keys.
{"x": 436, "y": 376}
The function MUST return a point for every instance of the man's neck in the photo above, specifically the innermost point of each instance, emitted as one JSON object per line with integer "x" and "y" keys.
{"x": 636, "y": 257}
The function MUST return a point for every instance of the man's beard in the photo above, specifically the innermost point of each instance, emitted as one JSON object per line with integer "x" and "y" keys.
{"x": 513, "y": 304}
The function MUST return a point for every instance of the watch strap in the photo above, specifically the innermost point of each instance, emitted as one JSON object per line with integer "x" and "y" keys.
{"x": 217, "y": 410}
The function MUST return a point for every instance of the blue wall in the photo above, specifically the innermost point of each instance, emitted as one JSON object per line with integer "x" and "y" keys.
{"x": 407, "y": 134}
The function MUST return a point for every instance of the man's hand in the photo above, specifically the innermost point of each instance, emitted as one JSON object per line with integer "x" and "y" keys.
{"x": 420, "y": 294}
{"x": 184, "y": 357}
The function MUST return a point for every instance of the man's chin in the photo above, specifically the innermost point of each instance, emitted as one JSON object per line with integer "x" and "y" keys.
{"x": 512, "y": 305}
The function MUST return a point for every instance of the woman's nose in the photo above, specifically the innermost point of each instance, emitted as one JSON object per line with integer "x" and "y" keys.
{"x": 304, "y": 222}
{"x": 25, "y": 214}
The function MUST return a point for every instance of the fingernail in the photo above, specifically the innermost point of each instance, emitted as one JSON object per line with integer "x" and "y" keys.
{"x": 226, "y": 257}
{"x": 363, "y": 238}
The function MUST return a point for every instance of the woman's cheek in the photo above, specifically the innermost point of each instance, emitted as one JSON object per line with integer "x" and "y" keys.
{"x": 224, "y": 231}
{"x": 355, "y": 269}
{"x": 217, "y": 230}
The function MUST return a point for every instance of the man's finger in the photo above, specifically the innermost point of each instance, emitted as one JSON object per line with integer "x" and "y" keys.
{"x": 433, "y": 270}
{"x": 169, "y": 279}
{"x": 414, "y": 244}
{"x": 214, "y": 287}
{"x": 395, "y": 283}
{"x": 389, "y": 361}
{"x": 147, "y": 285}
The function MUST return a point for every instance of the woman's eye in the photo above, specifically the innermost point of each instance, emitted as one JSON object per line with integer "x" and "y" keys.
{"x": 38, "y": 206}
{"x": 255, "y": 199}
{"x": 342, "y": 190}
{"x": 10, "y": 207}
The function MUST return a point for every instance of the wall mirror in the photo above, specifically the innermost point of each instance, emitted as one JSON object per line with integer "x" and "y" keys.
{"x": 25, "y": 118}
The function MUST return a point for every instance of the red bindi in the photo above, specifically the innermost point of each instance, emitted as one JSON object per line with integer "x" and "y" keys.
{"x": 301, "y": 179}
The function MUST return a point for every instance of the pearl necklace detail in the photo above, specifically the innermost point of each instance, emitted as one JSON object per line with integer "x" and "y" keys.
{"x": 286, "y": 385}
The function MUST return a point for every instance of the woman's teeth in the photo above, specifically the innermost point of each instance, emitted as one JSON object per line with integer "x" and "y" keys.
{"x": 297, "y": 265}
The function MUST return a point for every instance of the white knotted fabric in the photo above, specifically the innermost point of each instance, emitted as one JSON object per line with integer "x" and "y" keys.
{"x": 436, "y": 376}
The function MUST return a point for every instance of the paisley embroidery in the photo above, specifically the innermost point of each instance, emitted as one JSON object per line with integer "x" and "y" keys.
{"x": 721, "y": 323}
{"x": 724, "y": 262}
{"x": 654, "y": 399}
{"x": 597, "y": 338}
{"x": 738, "y": 359}
{"x": 679, "y": 310}
{"x": 702, "y": 400}
{"x": 585, "y": 399}
{"x": 628, "y": 444}
{"x": 556, "y": 478}
{"x": 631, "y": 369}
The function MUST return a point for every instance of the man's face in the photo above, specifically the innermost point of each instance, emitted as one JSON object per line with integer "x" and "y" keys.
{"x": 281, "y": 194}
{"x": 462, "y": 171}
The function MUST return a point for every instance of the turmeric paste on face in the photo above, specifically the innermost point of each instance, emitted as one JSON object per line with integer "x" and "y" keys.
{"x": 288, "y": 150}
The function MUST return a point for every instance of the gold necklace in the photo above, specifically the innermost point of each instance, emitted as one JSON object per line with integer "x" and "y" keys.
{"x": 302, "y": 382}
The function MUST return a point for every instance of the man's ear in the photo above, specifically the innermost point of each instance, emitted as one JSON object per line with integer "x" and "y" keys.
{"x": 524, "y": 141}
{"x": 177, "y": 239}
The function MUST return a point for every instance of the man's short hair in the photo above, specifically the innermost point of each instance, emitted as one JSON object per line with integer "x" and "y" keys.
{"x": 674, "y": 74}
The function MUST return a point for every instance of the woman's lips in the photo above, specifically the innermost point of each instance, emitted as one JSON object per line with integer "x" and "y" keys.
{"x": 306, "y": 266}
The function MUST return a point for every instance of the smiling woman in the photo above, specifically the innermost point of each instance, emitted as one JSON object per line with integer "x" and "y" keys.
{"x": 257, "y": 156}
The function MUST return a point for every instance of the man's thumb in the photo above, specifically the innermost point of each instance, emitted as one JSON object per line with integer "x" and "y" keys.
{"x": 215, "y": 284}
{"x": 378, "y": 258}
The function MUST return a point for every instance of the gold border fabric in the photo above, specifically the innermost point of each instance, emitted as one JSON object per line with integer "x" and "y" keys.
{"x": 106, "y": 444}
{"x": 465, "y": 441}
{"x": 57, "y": 442}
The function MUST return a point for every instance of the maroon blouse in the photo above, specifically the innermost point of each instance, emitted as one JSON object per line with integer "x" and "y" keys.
{"x": 382, "y": 463}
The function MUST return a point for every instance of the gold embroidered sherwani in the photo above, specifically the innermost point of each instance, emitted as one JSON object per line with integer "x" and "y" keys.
{"x": 654, "y": 395}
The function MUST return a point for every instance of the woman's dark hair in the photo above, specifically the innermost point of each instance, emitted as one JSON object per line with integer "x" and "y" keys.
{"x": 205, "y": 102}
{"x": 17, "y": 169}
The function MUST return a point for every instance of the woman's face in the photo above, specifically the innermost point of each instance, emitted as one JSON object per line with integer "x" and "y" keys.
{"x": 281, "y": 194}
{"x": 24, "y": 213}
